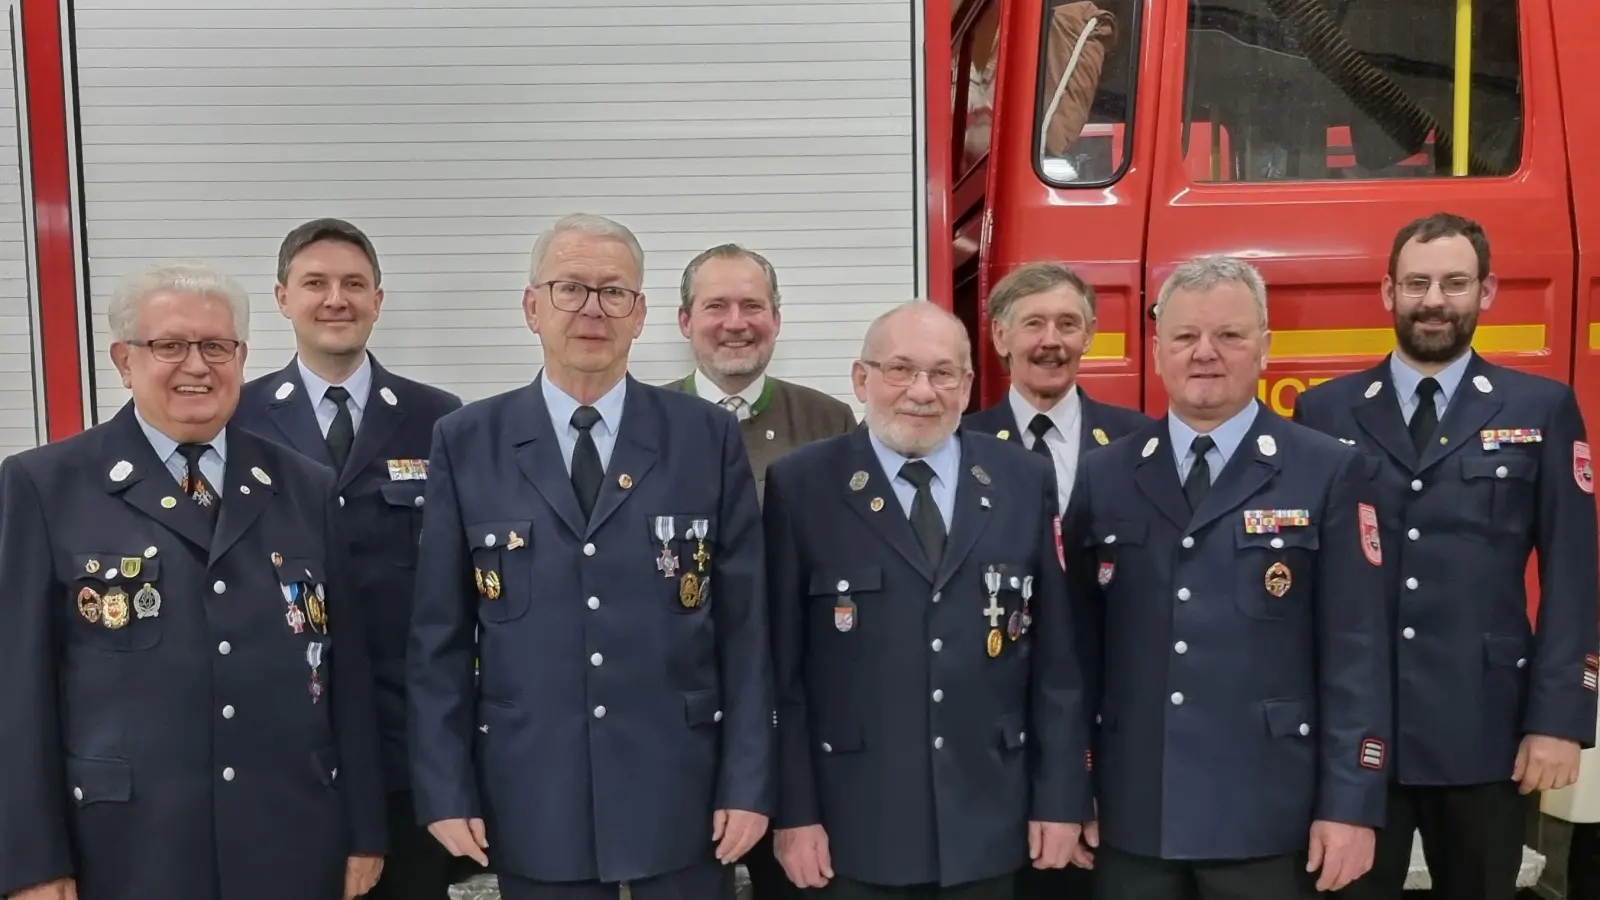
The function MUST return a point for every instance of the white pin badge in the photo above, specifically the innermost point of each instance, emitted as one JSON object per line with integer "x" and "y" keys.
{"x": 983, "y": 502}
{"x": 388, "y": 396}
{"x": 1482, "y": 384}
{"x": 1347, "y": 441}
{"x": 1373, "y": 389}
{"x": 284, "y": 390}
{"x": 1267, "y": 445}
{"x": 121, "y": 470}
{"x": 260, "y": 475}
{"x": 1150, "y": 446}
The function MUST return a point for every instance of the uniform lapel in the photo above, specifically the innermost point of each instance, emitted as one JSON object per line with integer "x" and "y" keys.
{"x": 1469, "y": 410}
{"x": 539, "y": 456}
{"x": 890, "y": 519}
{"x": 1249, "y": 470}
{"x": 379, "y": 419}
{"x": 1379, "y": 416}
{"x": 247, "y": 487}
{"x": 971, "y": 516}
{"x": 129, "y": 467}
{"x": 291, "y": 410}
{"x": 634, "y": 453}
{"x": 1156, "y": 474}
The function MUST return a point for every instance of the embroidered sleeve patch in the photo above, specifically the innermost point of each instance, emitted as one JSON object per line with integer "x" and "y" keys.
{"x": 1591, "y": 673}
{"x": 1582, "y": 467}
{"x": 1370, "y": 546}
{"x": 1061, "y": 553}
{"x": 1372, "y": 754}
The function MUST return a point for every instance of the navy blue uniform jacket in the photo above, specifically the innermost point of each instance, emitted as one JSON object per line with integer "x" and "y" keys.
{"x": 1245, "y": 671}
{"x": 611, "y": 720}
{"x": 1098, "y": 419}
{"x": 380, "y": 512}
{"x": 1472, "y": 678}
{"x": 178, "y": 755}
{"x": 922, "y": 755}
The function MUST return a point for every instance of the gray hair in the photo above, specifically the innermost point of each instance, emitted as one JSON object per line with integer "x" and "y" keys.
{"x": 726, "y": 251}
{"x": 1037, "y": 278}
{"x": 318, "y": 230}
{"x": 1210, "y": 272}
{"x": 595, "y": 226}
{"x": 919, "y": 307}
{"x": 188, "y": 277}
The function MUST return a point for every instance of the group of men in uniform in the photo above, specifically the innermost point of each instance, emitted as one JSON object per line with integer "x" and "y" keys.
{"x": 332, "y": 633}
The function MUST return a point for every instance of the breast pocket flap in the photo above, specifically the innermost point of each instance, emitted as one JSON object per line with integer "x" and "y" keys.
{"x": 845, "y": 580}
{"x": 99, "y": 780}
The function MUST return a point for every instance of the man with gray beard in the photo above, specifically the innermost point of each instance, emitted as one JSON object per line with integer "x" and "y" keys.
{"x": 932, "y": 730}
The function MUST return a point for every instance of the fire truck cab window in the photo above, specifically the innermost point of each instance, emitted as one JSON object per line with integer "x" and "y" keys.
{"x": 981, "y": 42}
{"x": 1328, "y": 90}
{"x": 1087, "y": 64}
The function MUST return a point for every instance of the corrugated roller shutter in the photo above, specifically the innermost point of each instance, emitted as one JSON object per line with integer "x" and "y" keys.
{"x": 454, "y": 131}
{"x": 19, "y": 414}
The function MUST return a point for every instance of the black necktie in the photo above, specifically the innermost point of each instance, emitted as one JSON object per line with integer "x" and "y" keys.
{"x": 194, "y": 482}
{"x": 1425, "y": 421}
{"x": 1041, "y": 423}
{"x": 1199, "y": 480}
{"x": 586, "y": 469}
{"x": 342, "y": 433}
{"x": 926, "y": 520}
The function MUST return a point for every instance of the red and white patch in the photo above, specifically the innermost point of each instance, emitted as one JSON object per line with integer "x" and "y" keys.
{"x": 1582, "y": 467}
{"x": 1370, "y": 547}
{"x": 1108, "y": 570}
{"x": 1591, "y": 673}
{"x": 1088, "y": 760}
{"x": 1061, "y": 553}
{"x": 1372, "y": 753}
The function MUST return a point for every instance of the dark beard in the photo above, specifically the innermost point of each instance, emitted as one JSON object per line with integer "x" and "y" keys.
{"x": 1440, "y": 348}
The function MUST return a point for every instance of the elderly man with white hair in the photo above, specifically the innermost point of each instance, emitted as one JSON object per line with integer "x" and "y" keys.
{"x": 187, "y": 702}
{"x": 1229, "y": 566}
{"x": 931, "y": 719}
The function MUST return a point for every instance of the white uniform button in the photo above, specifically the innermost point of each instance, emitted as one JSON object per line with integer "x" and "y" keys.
{"x": 594, "y": 602}
{"x": 1304, "y": 729}
{"x": 937, "y": 645}
{"x": 1501, "y": 472}
{"x": 596, "y": 660}
{"x": 1416, "y": 484}
{"x": 938, "y": 743}
{"x": 843, "y": 586}
{"x": 599, "y": 712}
{"x": 1022, "y": 737}
{"x": 938, "y": 696}
{"x": 1413, "y": 534}
{"x": 936, "y": 596}
{"x": 716, "y": 716}
{"x": 224, "y": 648}
{"x": 1522, "y": 663}
{"x": 77, "y": 793}
{"x": 1183, "y": 593}
{"x": 150, "y": 553}
{"x": 227, "y": 774}
{"x": 417, "y": 502}
{"x": 1408, "y": 633}
{"x": 227, "y": 712}
{"x": 219, "y": 588}
{"x": 1177, "y": 698}
{"x": 1277, "y": 543}
{"x": 827, "y": 747}
{"x": 341, "y": 501}
{"x": 1182, "y": 647}
{"x": 588, "y": 549}
{"x": 488, "y": 540}
{"x": 1111, "y": 539}
{"x": 1411, "y": 584}
{"x": 1188, "y": 542}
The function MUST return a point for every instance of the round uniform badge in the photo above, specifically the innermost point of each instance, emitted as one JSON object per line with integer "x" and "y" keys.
{"x": 1278, "y": 579}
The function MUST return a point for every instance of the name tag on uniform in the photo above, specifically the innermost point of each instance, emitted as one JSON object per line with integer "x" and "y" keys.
{"x": 1493, "y": 437}
{"x": 408, "y": 470}
{"x": 1271, "y": 521}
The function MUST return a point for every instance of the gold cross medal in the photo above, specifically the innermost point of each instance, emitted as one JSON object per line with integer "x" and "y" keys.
{"x": 991, "y": 580}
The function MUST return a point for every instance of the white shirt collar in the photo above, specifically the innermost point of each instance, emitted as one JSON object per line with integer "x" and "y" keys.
{"x": 1064, "y": 415}
{"x": 706, "y": 388}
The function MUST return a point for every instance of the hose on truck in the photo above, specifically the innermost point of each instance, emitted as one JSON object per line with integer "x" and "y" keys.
{"x": 1372, "y": 91}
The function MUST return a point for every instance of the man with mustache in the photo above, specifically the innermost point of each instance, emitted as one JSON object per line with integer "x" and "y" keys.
{"x": 1227, "y": 566}
{"x": 730, "y": 315}
{"x": 1481, "y": 466}
{"x": 335, "y": 403}
{"x": 931, "y": 727}
{"x": 596, "y": 542}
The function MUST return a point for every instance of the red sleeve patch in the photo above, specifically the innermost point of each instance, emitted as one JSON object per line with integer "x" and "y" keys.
{"x": 1372, "y": 753}
{"x": 1591, "y": 672}
{"x": 1370, "y": 547}
{"x": 1582, "y": 467}
{"x": 1061, "y": 553}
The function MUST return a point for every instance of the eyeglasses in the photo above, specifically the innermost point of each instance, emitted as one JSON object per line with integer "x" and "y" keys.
{"x": 1454, "y": 286}
{"x": 171, "y": 350}
{"x": 901, "y": 374}
{"x": 570, "y": 296}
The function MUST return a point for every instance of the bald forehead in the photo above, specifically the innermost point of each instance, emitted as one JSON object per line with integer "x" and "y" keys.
{"x": 921, "y": 336}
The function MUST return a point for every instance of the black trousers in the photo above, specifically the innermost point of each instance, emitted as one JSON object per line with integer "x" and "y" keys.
{"x": 706, "y": 881}
{"x": 1471, "y": 836}
{"x": 417, "y": 867}
{"x": 1071, "y": 883}
{"x": 840, "y": 888}
{"x": 1125, "y": 876}
{"x": 767, "y": 881}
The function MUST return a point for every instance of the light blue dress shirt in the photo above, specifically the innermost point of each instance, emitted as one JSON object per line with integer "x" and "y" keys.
{"x": 945, "y": 460}
{"x": 212, "y": 463}
{"x": 359, "y": 384}
{"x": 1227, "y": 436}
{"x": 604, "y": 432}
{"x": 1406, "y": 380}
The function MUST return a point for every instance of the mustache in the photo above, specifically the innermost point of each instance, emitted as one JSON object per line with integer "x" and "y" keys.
{"x": 918, "y": 409}
{"x": 1040, "y": 357}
